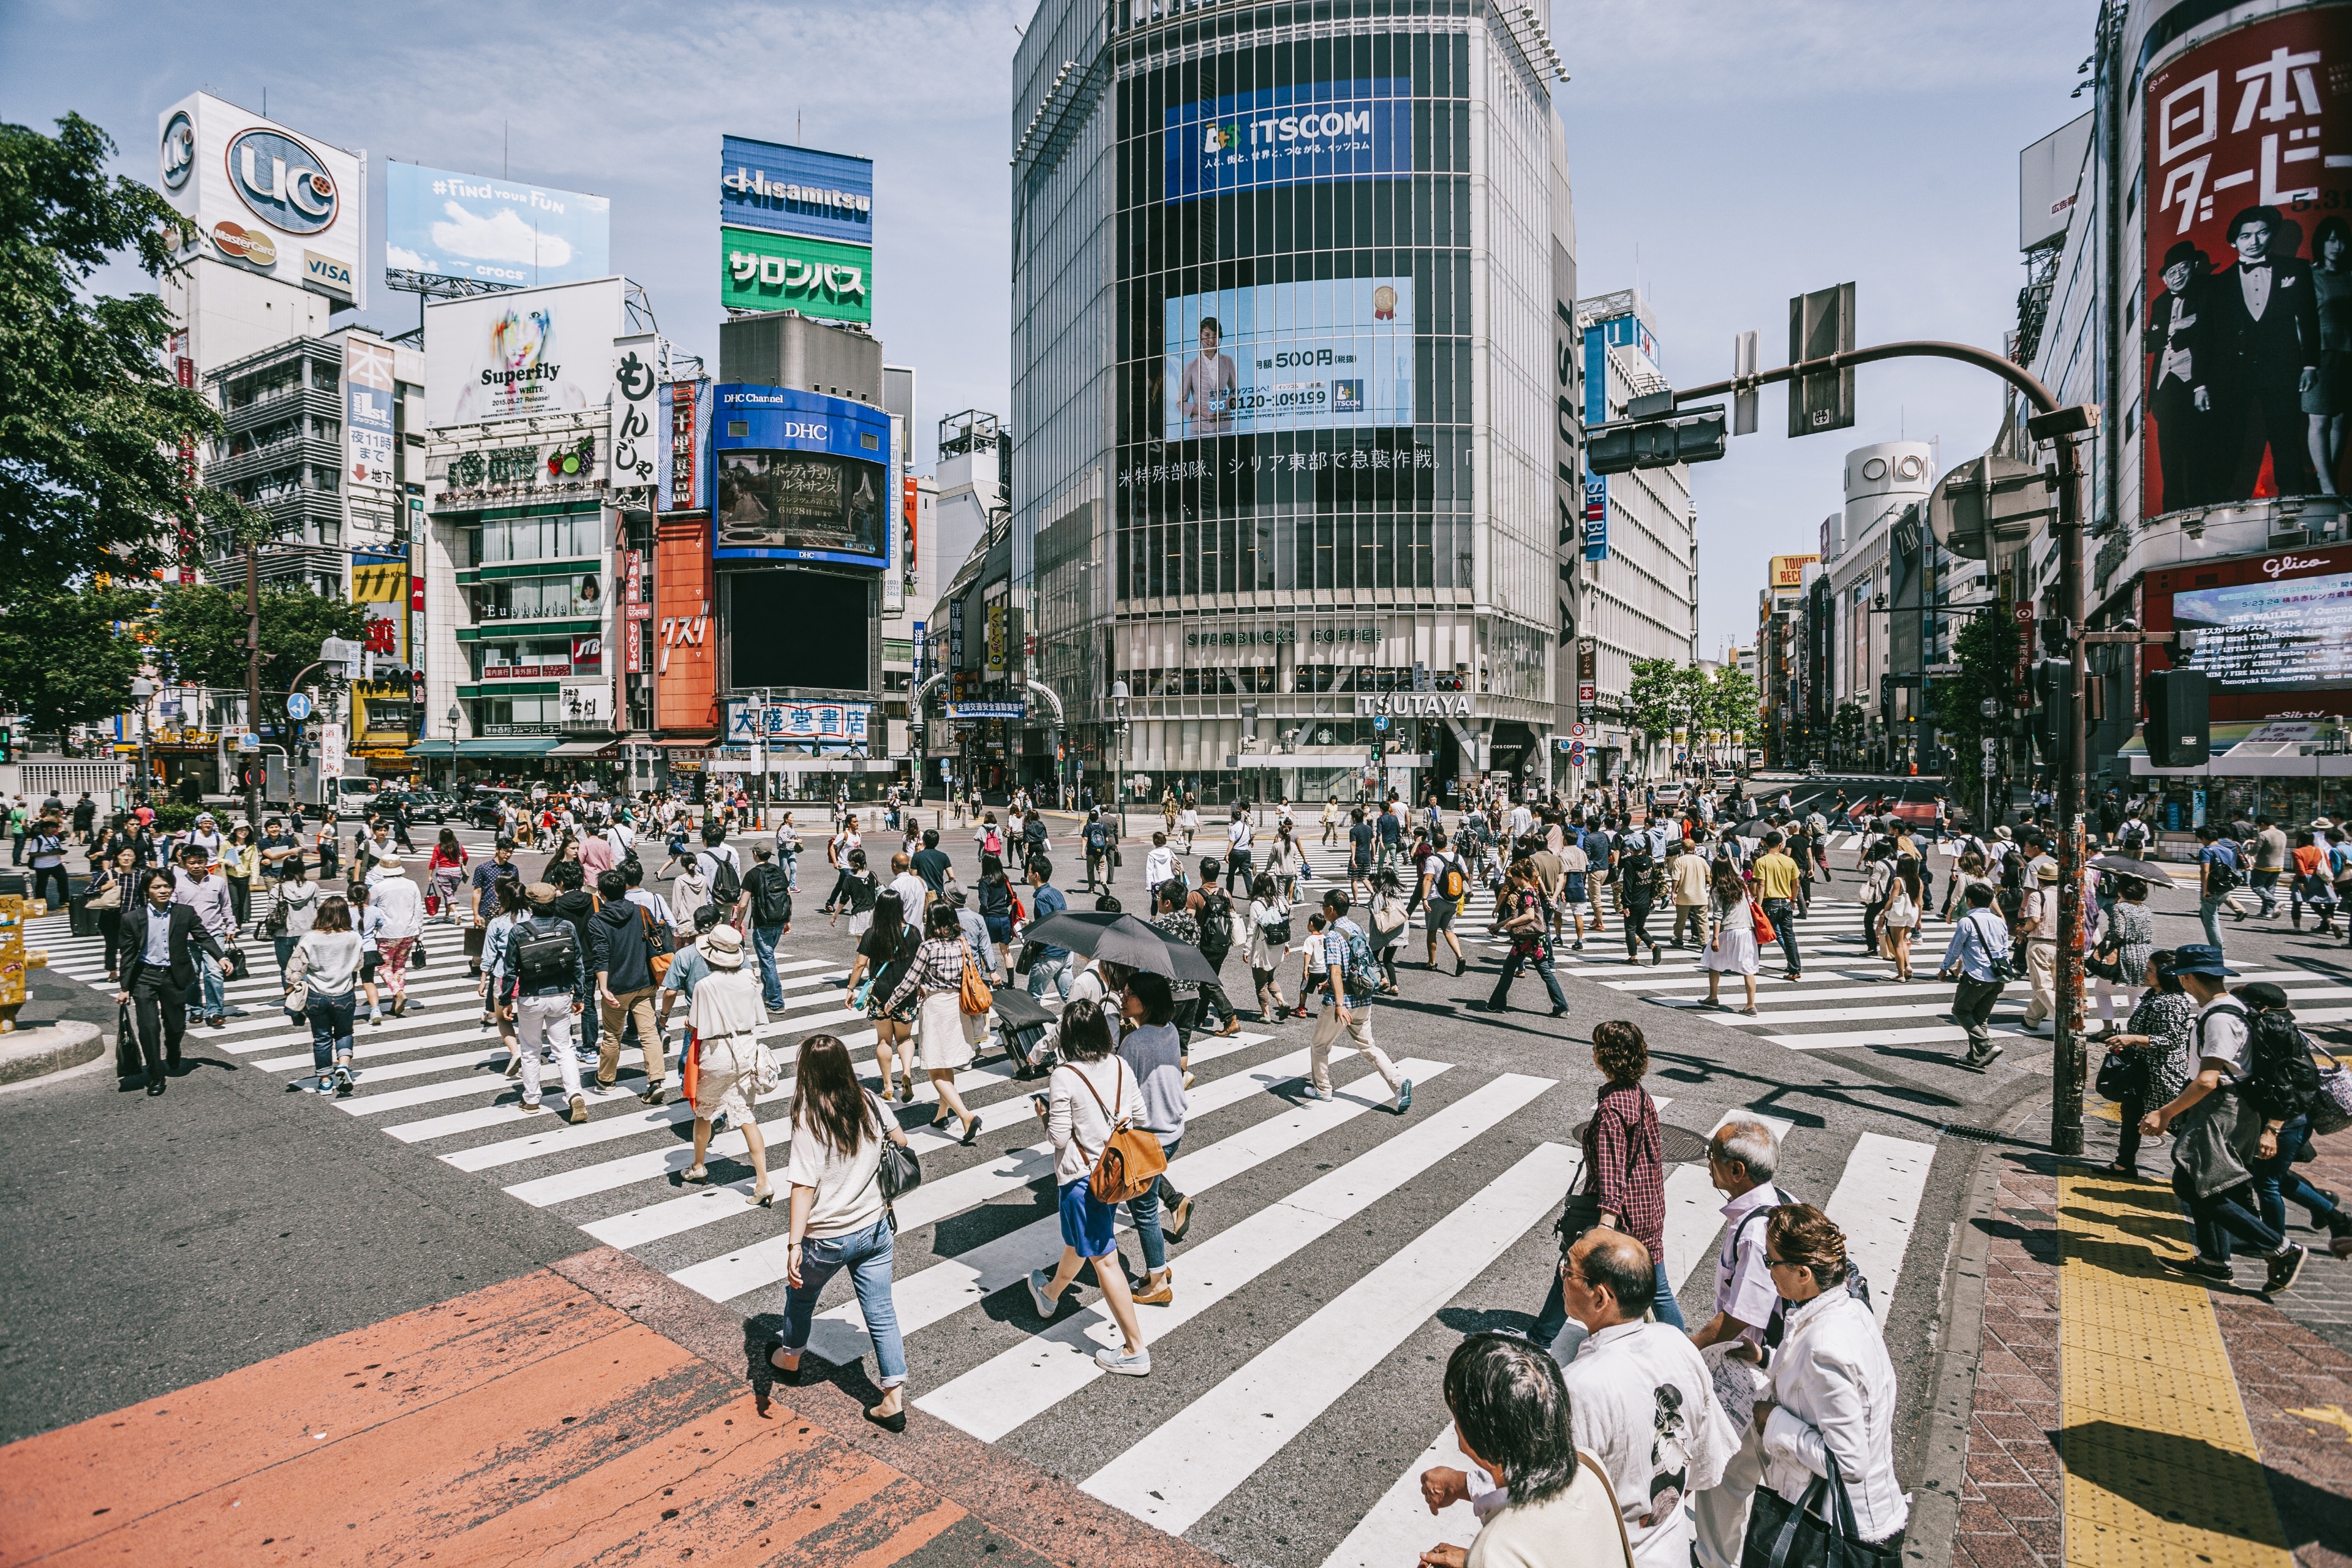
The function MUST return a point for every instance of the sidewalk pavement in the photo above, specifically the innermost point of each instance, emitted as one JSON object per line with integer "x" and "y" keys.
{"x": 589, "y": 1411}
{"x": 2125, "y": 1415}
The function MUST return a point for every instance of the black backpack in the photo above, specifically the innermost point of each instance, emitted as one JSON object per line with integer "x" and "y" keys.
{"x": 1107, "y": 905}
{"x": 772, "y": 905}
{"x": 726, "y": 882}
{"x": 542, "y": 956}
{"x": 2282, "y": 1081}
{"x": 1216, "y": 926}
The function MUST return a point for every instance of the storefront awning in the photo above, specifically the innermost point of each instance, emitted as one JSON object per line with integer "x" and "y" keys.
{"x": 581, "y": 748}
{"x": 517, "y": 746}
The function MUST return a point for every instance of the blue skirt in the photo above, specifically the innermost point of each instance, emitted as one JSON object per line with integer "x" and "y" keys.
{"x": 1087, "y": 1221}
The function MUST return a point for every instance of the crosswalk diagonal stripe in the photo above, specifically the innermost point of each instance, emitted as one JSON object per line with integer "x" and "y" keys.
{"x": 1876, "y": 1203}
{"x": 1026, "y": 1379}
{"x": 1186, "y": 1465}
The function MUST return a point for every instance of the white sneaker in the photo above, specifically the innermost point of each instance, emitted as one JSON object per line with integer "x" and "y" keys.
{"x": 1314, "y": 1093}
{"x": 1125, "y": 1365}
{"x": 1038, "y": 1279}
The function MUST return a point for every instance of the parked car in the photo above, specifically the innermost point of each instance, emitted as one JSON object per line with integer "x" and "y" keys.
{"x": 423, "y": 804}
{"x": 485, "y": 808}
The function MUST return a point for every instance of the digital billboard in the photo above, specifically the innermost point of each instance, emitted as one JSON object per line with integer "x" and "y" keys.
{"x": 1324, "y": 355}
{"x": 512, "y": 355}
{"x": 761, "y": 271}
{"x": 2248, "y": 266}
{"x": 264, "y": 198}
{"x": 2290, "y": 635}
{"x": 1289, "y": 135}
{"x": 799, "y": 477}
{"x": 783, "y": 189}
{"x": 477, "y": 229}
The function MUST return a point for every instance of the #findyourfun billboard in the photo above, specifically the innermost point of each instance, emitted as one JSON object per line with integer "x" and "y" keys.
{"x": 800, "y": 477}
{"x": 1334, "y": 355}
{"x": 265, "y": 198}
{"x": 783, "y": 189}
{"x": 476, "y": 228}
{"x": 1289, "y": 135}
{"x": 2249, "y": 265}
{"x": 763, "y": 271}
{"x": 529, "y": 352}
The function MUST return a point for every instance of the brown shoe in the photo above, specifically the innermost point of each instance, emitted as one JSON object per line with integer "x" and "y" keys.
{"x": 1179, "y": 1220}
{"x": 1159, "y": 1289}
{"x": 579, "y": 1111}
{"x": 654, "y": 1096}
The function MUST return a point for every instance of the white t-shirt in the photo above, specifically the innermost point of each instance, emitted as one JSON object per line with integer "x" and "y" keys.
{"x": 848, "y": 1194}
{"x": 2221, "y": 1035}
{"x": 1073, "y": 1120}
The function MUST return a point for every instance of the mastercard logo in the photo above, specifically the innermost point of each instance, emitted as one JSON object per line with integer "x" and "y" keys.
{"x": 244, "y": 244}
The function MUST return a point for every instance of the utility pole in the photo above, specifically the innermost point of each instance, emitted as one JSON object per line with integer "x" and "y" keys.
{"x": 253, "y": 680}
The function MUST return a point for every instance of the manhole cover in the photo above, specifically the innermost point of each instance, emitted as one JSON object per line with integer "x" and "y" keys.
{"x": 1677, "y": 1146}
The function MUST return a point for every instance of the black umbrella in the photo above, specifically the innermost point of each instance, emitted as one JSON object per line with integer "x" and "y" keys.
{"x": 1122, "y": 940}
{"x": 2154, "y": 870}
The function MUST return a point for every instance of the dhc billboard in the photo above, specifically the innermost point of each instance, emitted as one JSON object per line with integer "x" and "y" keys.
{"x": 800, "y": 477}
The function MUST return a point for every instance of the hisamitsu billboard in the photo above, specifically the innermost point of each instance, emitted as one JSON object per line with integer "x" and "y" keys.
{"x": 795, "y": 190}
{"x": 1297, "y": 134}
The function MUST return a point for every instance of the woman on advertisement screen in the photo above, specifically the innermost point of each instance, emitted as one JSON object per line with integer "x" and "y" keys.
{"x": 1206, "y": 399}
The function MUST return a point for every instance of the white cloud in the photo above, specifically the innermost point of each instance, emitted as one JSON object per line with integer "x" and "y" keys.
{"x": 400, "y": 257}
{"x": 503, "y": 237}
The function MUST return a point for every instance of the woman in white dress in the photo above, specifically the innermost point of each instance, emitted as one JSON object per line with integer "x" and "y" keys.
{"x": 1269, "y": 944}
{"x": 1905, "y": 897}
{"x": 1731, "y": 944}
{"x": 943, "y": 1033}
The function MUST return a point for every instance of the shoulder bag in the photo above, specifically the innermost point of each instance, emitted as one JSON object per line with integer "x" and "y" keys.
{"x": 1130, "y": 1161}
{"x": 275, "y": 925}
{"x": 1609, "y": 1494}
{"x": 657, "y": 937}
{"x": 1765, "y": 934}
{"x": 109, "y": 897}
{"x": 1817, "y": 1531}
{"x": 976, "y": 998}
{"x": 896, "y": 1170}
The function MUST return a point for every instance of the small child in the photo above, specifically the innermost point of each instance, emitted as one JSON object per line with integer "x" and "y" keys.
{"x": 1311, "y": 988}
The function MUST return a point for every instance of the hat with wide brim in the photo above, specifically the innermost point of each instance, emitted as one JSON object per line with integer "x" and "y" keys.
{"x": 722, "y": 947}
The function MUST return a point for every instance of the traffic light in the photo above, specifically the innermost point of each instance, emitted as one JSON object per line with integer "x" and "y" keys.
{"x": 7, "y": 743}
{"x": 2053, "y": 711}
{"x": 2179, "y": 729}
{"x": 1656, "y": 443}
{"x": 2056, "y": 641}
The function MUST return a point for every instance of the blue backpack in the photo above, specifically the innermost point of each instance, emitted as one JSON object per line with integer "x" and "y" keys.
{"x": 1363, "y": 967}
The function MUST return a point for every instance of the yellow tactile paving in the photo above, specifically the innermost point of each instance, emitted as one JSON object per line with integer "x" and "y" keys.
{"x": 2161, "y": 1466}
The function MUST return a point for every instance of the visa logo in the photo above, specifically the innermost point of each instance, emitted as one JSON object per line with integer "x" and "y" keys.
{"x": 327, "y": 273}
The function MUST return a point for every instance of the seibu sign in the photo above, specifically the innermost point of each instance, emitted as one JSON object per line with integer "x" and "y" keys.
{"x": 1415, "y": 705}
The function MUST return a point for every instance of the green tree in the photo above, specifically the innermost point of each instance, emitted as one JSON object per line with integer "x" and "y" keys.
{"x": 67, "y": 657}
{"x": 92, "y": 421}
{"x": 1734, "y": 706}
{"x": 1656, "y": 701}
{"x": 1848, "y": 732}
{"x": 1986, "y": 650}
{"x": 199, "y": 632}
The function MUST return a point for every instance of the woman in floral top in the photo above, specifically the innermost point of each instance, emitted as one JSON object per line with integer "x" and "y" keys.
{"x": 2130, "y": 937}
{"x": 2156, "y": 1040}
{"x": 943, "y": 1033}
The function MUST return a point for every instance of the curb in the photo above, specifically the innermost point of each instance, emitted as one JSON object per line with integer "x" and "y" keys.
{"x": 1943, "y": 1431}
{"x": 52, "y": 1047}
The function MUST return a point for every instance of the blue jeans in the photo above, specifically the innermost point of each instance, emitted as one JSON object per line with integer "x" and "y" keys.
{"x": 215, "y": 986}
{"x": 772, "y": 984}
{"x": 1553, "y": 1319}
{"x": 1145, "y": 1212}
{"x": 2277, "y": 1181}
{"x": 2265, "y": 886}
{"x": 2206, "y": 909}
{"x": 1511, "y": 967}
{"x": 330, "y": 1029}
{"x": 1784, "y": 925}
{"x": 1056, "y": 970}
{"x": 867, "y": 1255}
{"x": 792, "y": 861}
{"x": 2216, "y": 1219}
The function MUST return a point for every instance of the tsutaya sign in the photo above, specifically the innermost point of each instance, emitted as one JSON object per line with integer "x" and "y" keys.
{"x": 1415, "y": 705}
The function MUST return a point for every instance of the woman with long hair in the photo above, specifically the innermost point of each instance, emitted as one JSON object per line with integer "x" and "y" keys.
{"x": 885, "y": 954}
{"x": 932, "y": 987}
{"x": 447, "y": 870}
{"x": 1906, "y": 896}
{"x": 1731, "y": 939}
{"x": 839, "y": 1218}
{"x": 328, "y": 958}
{"x": 1090, "y": 1093}
{"x": 1269, "y": 944}
{"x": 1970, "y": 868}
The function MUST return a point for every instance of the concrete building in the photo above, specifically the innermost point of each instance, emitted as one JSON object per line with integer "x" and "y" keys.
{"x": 1778, "y": 661}
{"x": 1862, "y": 557}
{"x": 1288, "y": 293}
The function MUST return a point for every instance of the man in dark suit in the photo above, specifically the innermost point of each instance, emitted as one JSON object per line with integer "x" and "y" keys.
{"x": 158, "y": 967}
{"x": 2264, "y": 315}
{"x": 2178, "y": 396}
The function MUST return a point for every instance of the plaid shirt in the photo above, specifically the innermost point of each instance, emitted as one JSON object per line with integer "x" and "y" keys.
{"x": 1621, "y": 1148}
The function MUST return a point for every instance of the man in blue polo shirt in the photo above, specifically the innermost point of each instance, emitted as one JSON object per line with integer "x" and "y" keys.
{"x": 1052, "y": 963}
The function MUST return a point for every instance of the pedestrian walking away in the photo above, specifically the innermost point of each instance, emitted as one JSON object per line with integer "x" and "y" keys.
{"x": 1090, "y": 1096}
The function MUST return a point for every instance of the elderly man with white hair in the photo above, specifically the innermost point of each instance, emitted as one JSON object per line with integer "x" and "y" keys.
{"x": 1740, "y": 1159}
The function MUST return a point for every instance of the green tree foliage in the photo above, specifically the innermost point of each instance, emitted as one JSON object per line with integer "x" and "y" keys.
{"x": 1734, "y": 706}
{"x": 199, "y": 632}
{"x": 66, "y": 657}
{"x": 1985, "y": 651}
{"x": 91, "y": 419}
{"x": 1659, "y": 699}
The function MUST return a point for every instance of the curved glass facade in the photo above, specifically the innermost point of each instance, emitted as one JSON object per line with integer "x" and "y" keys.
{"x": 1309, "y": 399}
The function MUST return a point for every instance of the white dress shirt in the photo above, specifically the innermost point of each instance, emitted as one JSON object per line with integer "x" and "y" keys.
{"x": 1834, "y": 1393}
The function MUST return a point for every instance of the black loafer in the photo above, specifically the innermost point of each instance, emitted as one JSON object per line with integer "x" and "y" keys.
{"x": 895, "y": 1422}
{"x": 788, "y": 1375}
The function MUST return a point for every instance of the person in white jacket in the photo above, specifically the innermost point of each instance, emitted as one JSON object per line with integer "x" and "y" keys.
{"x": 1640, "y": 1400}
{"x": 398, "y": 921}
{"x": 1832, "y": 1392}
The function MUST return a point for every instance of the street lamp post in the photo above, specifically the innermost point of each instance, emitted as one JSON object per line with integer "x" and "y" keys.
{"x": 1118, "y": 761}
{"x": 453, "y": 716}
{"x": 142, "y": 691}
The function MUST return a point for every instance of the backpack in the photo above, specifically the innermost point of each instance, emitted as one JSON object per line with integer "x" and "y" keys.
{"x": 2281, "y": 1078}
{"x": 1451, "y": 883}
{"x": 542, "y": 957}
{"x": 726, "y": 881}
{"x": 1099, "y": 836}
{"x": 992, "y": 844}
{"x": 2224, "y": 877}
{"x": 772, "y": 906}
{"x": 1216, "y": 927}
{"x": 1363, "y": 969}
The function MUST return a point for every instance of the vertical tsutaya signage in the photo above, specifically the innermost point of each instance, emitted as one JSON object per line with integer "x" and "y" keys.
{"x": 367, "y": 413}
{"x": 783, "y": 189}
{"x": 2248, "y": 243}
{"x": 263, "y": 199}
{"x": 634, "y": 433}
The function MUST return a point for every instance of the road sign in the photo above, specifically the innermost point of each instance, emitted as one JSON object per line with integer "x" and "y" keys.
{"x": 1576, "y": 754}
{"x": 1990, "y": 745}
{"x": 249, "y": 741}
{"x": 1746, "y": 361}
{"x": 1380, "y": 721}
{"x": 297, "y": 706}
{"x": 1576, "y": 732}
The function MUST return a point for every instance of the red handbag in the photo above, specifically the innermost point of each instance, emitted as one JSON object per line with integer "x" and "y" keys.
{"x": 1765, "y": 934}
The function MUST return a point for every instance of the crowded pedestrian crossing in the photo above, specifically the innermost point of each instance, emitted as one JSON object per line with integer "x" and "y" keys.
{"x": 1334, "y": 1234}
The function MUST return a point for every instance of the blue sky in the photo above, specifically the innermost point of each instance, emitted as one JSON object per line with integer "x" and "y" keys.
{"x": 1725, "y": 156}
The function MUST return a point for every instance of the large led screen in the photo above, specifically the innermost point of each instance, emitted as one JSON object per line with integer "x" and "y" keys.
{"x": 1289, "y": 135}
{"x": 1335, "y": 354}
{"x": 800, "y": 503}
{"x": 2290, "y": 635}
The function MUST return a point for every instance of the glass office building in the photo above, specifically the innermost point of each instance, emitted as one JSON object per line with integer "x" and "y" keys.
{"x": 1288, "y": 283}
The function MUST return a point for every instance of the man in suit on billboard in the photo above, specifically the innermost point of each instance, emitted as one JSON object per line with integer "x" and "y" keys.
{"x": 2265, "y": 316}
{"x": 2178, "y": 398}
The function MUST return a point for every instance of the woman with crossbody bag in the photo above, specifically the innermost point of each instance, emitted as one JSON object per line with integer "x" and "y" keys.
{"x": 841, "y": 1218}
{"x": 110, "y": 888}
{"x": 1269, "y": 944}
{"x": 1090, "y": 1099}
{"x": 941, "y": 1035}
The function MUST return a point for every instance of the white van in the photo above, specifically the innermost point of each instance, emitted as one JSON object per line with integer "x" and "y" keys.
{"x": 352, "y": 797}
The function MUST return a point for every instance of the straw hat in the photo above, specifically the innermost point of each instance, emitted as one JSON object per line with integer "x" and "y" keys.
{"x": 723, "y": 948}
